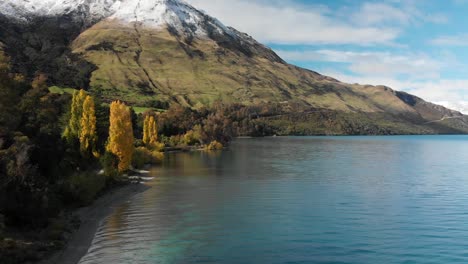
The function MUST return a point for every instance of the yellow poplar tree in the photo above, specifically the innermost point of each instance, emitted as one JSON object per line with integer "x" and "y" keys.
{"x": 88, "y": 135}
{"x": 150, "y": 131}
{"x": 73, "y": 129}
{"x": 120, "y": 141}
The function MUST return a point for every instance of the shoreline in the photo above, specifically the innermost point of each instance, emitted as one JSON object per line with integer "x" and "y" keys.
{"x": 91, "y": 218}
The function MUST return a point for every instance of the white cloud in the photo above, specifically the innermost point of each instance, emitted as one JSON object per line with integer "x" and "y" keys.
{"x": 398, "y": 12}
{"x": 286, "y": 22}
{"x": 461, "y": 106}
{"x": 454, "y": 40}
{"x": 289, "y": 22}
{"x": 460, "y": 2}
{"x": 377, "y": 13}
{"x": 377, "y": 64}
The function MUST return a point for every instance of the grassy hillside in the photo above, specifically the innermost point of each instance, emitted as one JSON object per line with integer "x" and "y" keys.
{"x": 140, "y": 65}
{"x": 146, "y": 67}
{"x": 152, "y": 68}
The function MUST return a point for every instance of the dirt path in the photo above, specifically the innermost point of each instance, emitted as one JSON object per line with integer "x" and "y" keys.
{"x": 444, "y": 118}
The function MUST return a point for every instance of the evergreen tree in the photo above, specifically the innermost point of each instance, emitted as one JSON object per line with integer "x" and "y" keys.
{"x": 88, "y": 136}
{"x": 120, "y": 141}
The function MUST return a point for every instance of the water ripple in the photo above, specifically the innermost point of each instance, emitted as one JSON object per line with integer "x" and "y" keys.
{"x": 299, "y": 200}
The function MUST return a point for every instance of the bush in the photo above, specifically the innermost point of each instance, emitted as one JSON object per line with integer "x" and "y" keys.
{"x": 192, "y": 138}
{"x": 56, "y": 228}
{"x": 109, "y": 163}
{"x": 157, "y": 157}
{"x": 158, "y": 147}
{"x": 214, "y": 145}
{"x": 176, "y": 141}
{"x": 143, "y": 156}
{"x": 23, "y": 206}
{"x": 84, "y": 187}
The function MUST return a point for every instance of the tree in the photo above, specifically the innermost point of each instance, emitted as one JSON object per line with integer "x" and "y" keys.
{"x": 150, "y": 131}
{"x": 217, "y": 127}
{"x": 11, "y": 89}
{"x": 120, "y": 141}
{"x": 88, "y": 136}
{"x": 72, "y": 131}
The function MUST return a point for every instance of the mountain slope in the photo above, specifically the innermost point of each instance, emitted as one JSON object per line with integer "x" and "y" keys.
{"x": 145, "y": 52}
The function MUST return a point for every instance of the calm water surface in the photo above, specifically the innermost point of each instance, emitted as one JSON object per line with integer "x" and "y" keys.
{"x": 299, "y": 200}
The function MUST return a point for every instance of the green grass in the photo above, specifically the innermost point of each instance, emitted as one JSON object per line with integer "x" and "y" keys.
{"x": 59, "y": 90}
{"x": 200, "y": 81}
{"x": 141, "y": 110}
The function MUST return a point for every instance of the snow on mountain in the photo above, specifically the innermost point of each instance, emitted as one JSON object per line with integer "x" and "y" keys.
{"x": 175, "y": 14}
{"x": 461, "y": 106}
{"x": 27, "y": 9}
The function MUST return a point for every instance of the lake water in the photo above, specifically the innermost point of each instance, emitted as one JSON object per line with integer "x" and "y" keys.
{"x": 356, "y": 200}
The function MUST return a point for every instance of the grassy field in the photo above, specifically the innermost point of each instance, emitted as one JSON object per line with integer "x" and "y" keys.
{"x": 59, "y": 90}
{"x": 141, "y": 110}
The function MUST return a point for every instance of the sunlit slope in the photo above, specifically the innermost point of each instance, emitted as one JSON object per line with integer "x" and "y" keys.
{"x": 139, "y": 64}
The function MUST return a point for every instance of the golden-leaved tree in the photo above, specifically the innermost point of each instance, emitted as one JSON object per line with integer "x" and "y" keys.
{"x": 150, "y": 131}
{"x": 88, "y": 135}
{"x": 120, "y": 141}
{"x": 73, "y": 129}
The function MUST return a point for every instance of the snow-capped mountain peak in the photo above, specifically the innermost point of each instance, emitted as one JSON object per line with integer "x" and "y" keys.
{"x": 27, "y": 9}
{"x": 176, "y": 14}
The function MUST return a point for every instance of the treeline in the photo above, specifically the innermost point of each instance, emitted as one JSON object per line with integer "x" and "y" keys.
{"x": 181, "y": 125}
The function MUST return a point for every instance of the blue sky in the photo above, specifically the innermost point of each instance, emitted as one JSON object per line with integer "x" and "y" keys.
{"x": 419, "y": 46}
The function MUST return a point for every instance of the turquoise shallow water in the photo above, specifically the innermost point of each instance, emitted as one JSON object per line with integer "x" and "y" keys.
{"x": 299, "y": 200}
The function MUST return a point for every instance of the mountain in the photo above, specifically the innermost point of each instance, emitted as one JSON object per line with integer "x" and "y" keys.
{"x": 150, "y": 52}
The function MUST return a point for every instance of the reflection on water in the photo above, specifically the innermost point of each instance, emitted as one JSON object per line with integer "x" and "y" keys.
{"x": 299, "y": 200}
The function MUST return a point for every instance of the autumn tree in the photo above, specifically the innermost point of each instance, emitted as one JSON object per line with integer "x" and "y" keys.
{"x": 150, "y": 131}
{"x": 88, "y": 136}
{"x": 120, "y": 141}
{"x": 72, "y": 131}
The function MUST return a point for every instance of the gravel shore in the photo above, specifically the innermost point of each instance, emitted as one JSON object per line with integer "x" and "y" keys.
{"x": 91, "y": 218}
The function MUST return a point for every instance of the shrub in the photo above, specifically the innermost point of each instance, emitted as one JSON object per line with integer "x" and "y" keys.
{"x": 56, "y": 228}
{"x": 84, "y": 187}
{"x": 214, "y": 145}
{"x": 192, "y": 138}
{"x": 157, "y": 146}
{"x": 157, "y": 157}
{"x": 176, "y": 140}
{"x": 109, "y": 163}
{"x": 143, "y": 156}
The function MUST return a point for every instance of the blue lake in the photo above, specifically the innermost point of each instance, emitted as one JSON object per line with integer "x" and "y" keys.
{"x": 401, "y": 199}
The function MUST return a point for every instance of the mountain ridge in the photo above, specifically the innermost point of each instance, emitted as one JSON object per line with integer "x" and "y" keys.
{"x": 168, "y": 51}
